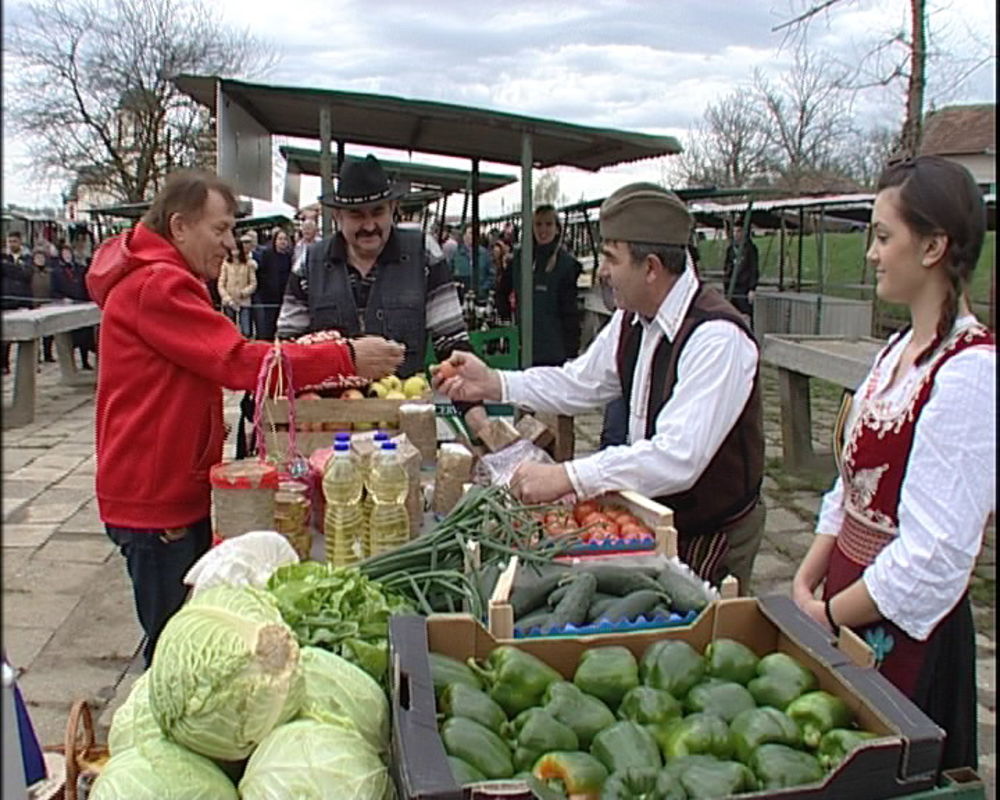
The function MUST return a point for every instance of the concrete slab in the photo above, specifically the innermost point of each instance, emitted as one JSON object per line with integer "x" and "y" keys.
{"x": 16, "y": 457}
{"x": 40, "y": 510}
{"x": 75, "y": 481}
{"x": 86, "y": 520}
{"x": 57, "y": 575}
{"x": 43, "y": 475}
{"x": 781, "y": 520}
{"x": 23, "y": 644}
{"x": 14, "y": 509}
{"x": 61, "y": 460}
{"x": 25, "y": 535}
{"x": 41, "y": 608}
{"x": 91, "y": 549}
{"x": 22, "y": 489}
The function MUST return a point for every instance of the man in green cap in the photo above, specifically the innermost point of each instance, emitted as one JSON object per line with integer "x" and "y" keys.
{"x": 686, "y": 364}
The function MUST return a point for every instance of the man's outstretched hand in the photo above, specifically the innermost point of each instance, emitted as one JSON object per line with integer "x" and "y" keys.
{"x": 465, "y": 378}
{"x": 376, "y": 357}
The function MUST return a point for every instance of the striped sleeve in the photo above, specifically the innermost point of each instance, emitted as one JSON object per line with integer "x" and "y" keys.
{"x": 445, "y": 322}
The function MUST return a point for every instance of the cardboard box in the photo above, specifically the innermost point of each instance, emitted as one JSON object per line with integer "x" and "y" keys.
{"x": 902, "y": 761}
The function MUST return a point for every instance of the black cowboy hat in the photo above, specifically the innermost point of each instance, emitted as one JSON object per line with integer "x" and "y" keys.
{"x": 361, "y": 182}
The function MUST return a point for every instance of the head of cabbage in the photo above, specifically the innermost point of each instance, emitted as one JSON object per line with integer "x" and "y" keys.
{"x": 311, "y": 760}
{"x": 338, "y": 692}
{"x": 225, "y": 673}
{"x": 157, "y": 769}
{"x": 133, "y": 722}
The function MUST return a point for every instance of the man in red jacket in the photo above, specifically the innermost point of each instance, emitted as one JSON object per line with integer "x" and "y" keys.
{"x": 165, "y": 354}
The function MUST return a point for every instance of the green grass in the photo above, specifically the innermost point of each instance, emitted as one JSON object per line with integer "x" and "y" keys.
{"x": 844, "y": 263}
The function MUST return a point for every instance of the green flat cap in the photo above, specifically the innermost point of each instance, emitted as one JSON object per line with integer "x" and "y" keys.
{"x": 645, "y": 213}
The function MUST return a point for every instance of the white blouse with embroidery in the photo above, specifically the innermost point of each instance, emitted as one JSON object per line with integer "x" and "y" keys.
{"x": 948, "y": 491}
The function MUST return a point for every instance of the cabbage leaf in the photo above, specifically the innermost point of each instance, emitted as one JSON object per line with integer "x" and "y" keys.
{"x": 133, "y": 722}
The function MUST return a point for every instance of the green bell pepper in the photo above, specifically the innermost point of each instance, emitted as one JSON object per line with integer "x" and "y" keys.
{"x": 626, "y": 744}
{"x": 836, "y": 744}
{"x": 478, "y": 746}
{"x": 461, "y": 700}
{"x": 757, "y": 726}
{"x": 464, "y": 772}
{"x": 780, "y": 679}
{"x": 515, "y": 679}
{"x": 672, "y": 666}
{"x": 642, "y": 783}
{"x": 697, "y": 733}
{"x": 818, "y": 712}
{"x": 778, "y": 766}
{"x": 445, "y": 670}
{"x": 676, "y": 767}
{"x": 607, "y": 673}
{"x": 704, "y": 781}
{"x": 535, "y": 732}
{"x": 723, "y": 698}
{"x": 578, "y": 775}
{"x": 730, "y": 660}
{"x": 649, "y": 706}
{"x": 573, "y": 707}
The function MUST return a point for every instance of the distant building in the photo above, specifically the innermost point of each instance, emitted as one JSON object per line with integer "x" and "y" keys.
{"x": 967, "y": 136}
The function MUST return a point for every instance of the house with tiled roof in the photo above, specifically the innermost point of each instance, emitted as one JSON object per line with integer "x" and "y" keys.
{"x": 967, "y": 135}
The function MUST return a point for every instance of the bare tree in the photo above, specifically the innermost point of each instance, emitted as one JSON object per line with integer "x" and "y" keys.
{"x": 866, "y": 153}
{"x": 730, "y": 146}
{"x": 546, "y": 190}
{"x": 912, "y": 68}
{"x": 808, "y": 115}
{"x": 92, "y": 87}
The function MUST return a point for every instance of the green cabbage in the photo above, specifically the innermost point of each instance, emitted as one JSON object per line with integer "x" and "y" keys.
{"x": 225, "y": 673}
{"x": 157, "y": 769}
{"x": 311, "y": 760}
{"x": 338, "y": 692}
{"x": 133, "y": 722}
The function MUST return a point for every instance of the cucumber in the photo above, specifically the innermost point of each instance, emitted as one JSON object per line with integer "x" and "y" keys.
{"x": 558, "y": 594}
{"x": 621, "y": 581}
{"x": 686, "y": 592}
{"x": 598, "y": 606}
{"x": 572, "y": 608}
{"x": 537, "y": 618}
{"x": 527, "y": 598}
{"x": 632, "y": 605}
{"x": 659, "y": 610}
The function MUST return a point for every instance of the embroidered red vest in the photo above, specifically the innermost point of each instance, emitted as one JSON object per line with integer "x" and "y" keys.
{"x": 877, "y": 450}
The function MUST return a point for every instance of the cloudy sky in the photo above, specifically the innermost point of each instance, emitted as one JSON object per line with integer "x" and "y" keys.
{"x": 644, "y": 65}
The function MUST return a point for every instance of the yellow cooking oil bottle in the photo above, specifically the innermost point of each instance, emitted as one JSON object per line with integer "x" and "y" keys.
{"x": 388, "y": 485}
{"x": 343, "y": 525}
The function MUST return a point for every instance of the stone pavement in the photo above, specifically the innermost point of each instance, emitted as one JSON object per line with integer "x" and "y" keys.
{"x": 68, "y": 617}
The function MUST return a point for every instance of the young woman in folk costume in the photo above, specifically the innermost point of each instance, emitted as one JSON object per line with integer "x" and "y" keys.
{"x": 898, "y": 535}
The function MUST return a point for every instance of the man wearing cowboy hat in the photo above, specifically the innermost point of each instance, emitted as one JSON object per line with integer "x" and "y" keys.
{"x": 372, "y": 277}
{"x": 686, "y": 364}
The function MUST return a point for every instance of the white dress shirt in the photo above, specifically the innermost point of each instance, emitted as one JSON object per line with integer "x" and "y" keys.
{"x": 715, "y": 376}
{"x": 948, "y": 490}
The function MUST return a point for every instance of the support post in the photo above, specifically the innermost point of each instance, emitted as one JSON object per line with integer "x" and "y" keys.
{"x": 781, "y": 257}
{"x": 802, "y": 230}
{"x": 326, "y": 168}
{"x": 525, "y": 301}
{"x": 475, "y": 229}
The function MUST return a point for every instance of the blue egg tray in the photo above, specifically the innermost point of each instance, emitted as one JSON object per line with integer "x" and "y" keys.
{"x": 640, "y": 623}
{"x": 613, "y": 546}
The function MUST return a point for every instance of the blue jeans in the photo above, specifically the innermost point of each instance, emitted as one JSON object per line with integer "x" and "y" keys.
{"x": 157, "y": 563}
{"x": 242, "y": 316}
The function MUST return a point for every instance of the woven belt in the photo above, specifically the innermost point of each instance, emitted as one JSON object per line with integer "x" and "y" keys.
{"x": 859, "y": 542}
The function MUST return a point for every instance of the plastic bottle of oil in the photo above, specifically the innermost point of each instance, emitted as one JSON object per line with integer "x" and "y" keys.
{"x": 343, "y": 526}
{"x": 366, "y": 499}
{"x": 389, "y": 484}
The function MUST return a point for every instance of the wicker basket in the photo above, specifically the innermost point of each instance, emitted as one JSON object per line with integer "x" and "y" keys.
{"x": 83, "y": 756}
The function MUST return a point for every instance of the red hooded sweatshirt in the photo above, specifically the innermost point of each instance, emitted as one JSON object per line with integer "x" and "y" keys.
{"x": 165, "y": 354}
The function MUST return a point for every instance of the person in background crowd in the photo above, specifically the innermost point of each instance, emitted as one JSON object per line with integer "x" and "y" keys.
{"x": 898, "y": 534}
{"x": 237, "y": 283}
{"x": 556, "y": 334}
{"x": 165, "y": 356}
{"x": 410, "y": 220}
{"x": 41, "y": 292}
{"x": 69, "y": 283}
{"x": 499, "y": 259}
{"x": 83, "y": 249}
{"x": 461, "y": 266}
{"x": 273, "y": 269}
{"x": 687, "y": 363}
{"x": 450, "y": 243}
{"x": 310, "y": 234}
{"x": 16, "y": 283}
{"x": 741, "y": 259}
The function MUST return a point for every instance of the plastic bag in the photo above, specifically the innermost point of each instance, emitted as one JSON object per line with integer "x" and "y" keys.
{"x": 246, "y": 560}
{"x": 498, "y": 468}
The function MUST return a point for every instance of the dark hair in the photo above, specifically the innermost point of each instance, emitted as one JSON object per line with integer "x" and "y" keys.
{"x": 672, "y": 256}
{"x": 548, "y": 208}
{"x": 16, "y": 234}
{"x": 274, "y": 237}
{"x": 241, "y": 252}
{"x": 185, "y": 192}
{"x": 937, "y": 196}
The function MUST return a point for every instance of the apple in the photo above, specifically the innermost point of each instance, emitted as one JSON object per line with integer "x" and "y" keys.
{"x": 392, "y": 383}
{"x": 415, "y": 386}
{"x": 377, "y": 390}
{"x": 352, "y": 394}
{"x": 395, "y": 395}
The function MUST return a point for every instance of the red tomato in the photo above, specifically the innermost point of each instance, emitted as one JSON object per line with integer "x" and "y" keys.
{"x": 628, "y": 519}
{"x": 635, "y": 533}
{"x": 558, "y": 517}
{"x": 555, "y": 529}
{"x": 594, "y": 517}
{"x": 603, "y": 531}
{"x": 583, "y": 509}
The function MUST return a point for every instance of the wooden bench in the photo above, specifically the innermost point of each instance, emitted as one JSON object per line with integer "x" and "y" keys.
{"x": 839, "y": 360}
{"x": 24, "y": 327}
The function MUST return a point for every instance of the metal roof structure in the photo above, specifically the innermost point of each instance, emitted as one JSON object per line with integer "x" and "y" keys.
{"x": 418, "y": 176}
{"x": 429, "y": 127}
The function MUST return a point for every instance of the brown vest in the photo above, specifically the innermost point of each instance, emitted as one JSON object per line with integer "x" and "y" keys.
{"x": 730, "y": 485}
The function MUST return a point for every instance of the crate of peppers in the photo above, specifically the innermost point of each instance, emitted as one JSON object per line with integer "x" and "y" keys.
{"x": 750, "y": 701}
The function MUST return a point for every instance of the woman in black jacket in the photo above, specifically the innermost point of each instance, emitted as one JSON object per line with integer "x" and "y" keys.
{"x": 68, "y": 283}
{"x": 272, "y": 276}
{"x": 556, "y": 317}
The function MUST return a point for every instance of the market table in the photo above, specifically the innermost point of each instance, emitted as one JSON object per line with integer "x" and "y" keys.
{"x": 841, "y": 360}
{"x": 24, "y": 327}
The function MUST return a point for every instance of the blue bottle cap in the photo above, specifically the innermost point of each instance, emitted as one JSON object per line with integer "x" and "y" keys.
{"x": 342, "y": 447}
{"x": 342, "y": 436}
{"x": 381, "y": 436}
{"x": 388, "y": 446}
